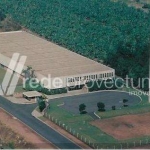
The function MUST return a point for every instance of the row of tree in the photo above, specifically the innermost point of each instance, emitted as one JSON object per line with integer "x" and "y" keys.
{"x": 102, "y": 85}
{"x": 100, "y": 29}
{"x": 101, "y": 106}
{"x": 6, "y": 23}
{"x": 38, "y": 87}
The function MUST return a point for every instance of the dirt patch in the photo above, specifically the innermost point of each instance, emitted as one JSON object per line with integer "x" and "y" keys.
{"x": 10, "y": 139}
{"x": 125, "y": 127}
{"x": 22, "y": 130}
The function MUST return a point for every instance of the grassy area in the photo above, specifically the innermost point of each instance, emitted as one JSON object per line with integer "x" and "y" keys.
{"x": 19, "y": 89}
{"x": 81, "y": 123}
{"x": 19, "y": 86}
{"x": 142, "y": 107}
{"x": 2, "y": 74}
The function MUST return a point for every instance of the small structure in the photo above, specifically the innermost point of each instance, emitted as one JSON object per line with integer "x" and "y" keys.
{"x": 31, "y": 95}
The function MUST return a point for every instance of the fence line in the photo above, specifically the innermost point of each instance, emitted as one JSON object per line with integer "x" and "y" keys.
{"x": 70, "y": 130}
{"x": 94, "y": 145}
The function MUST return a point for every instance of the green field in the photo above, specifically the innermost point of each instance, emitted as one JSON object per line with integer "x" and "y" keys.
{"x": 19, "y": 87}
{"x": 2, "y": 74}
{"x": 81, "y": 123}
{"x": 106, "y": 31}
{"x": 142, "y": 107}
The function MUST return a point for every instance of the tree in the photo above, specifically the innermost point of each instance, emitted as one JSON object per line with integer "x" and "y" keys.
{"x": 42, "y": 105}
{"x": 82, "y": 108}
{"x": 147, "y": 6}
{"x": 101, "y": 106}
{"x": 126, "y": 29}
{"x": 29, "y": 72}
{"x": 125, "y": 101}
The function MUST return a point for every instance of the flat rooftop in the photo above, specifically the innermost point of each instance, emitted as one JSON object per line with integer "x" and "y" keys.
{"x": 46, "y": 57}
{"x": 31, "y": 94}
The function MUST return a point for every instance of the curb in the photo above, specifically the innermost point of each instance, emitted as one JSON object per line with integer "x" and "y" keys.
{"x": 55, "y": 130}
{"x": 18, "y": 103}
{"x": 97, "y": 115}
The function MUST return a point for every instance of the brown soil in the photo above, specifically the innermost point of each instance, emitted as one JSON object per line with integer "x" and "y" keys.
{"x": 8, "y": 138}
{"x": 125, "y": 127}
{"x": 12, "y": 130}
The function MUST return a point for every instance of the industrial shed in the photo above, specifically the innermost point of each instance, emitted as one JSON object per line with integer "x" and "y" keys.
{"x": 51, "y": 60}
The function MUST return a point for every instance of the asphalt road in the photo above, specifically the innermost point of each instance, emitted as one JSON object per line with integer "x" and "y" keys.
{"x": 23, "y": 113}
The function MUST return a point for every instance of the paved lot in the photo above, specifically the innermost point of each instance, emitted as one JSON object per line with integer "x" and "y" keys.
{"x": 109, "y": 98}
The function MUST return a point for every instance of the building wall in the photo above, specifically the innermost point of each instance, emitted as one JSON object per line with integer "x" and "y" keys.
{"x": 61, "y": 82}
{"x": 51, "y": 83}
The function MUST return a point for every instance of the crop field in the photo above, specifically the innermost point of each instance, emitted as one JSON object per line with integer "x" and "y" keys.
{"x": 106, "y": 31}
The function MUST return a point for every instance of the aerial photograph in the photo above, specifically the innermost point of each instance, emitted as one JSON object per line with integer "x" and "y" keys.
{"x": 74, "y": 74}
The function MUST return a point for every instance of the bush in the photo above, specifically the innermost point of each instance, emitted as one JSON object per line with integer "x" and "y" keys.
{"x": 101, "y": 85}
{"x": 101, "y": 110}
{"x": 42, "y": 105}
{"x": 125, "y": 100}
{"x": 75, "y": 88}
{"x": 147, "y": 6}
{"x": 46, "y": 91}
{"x": 113, "y": 107}
{"x": 101, "y": 106}
{"x": 83, "y": 112}
{"x": 82, "y": 108}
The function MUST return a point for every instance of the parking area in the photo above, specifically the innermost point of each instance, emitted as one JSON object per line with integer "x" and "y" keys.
{"x": 109, "y": 98}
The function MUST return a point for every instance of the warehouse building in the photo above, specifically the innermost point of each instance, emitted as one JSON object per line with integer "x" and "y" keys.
{"x": 51, "y": 61}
